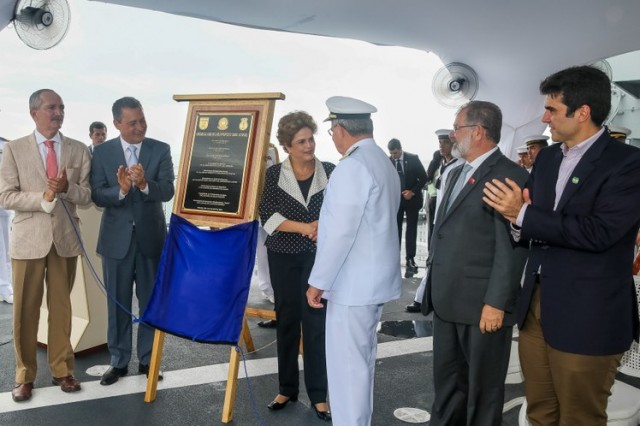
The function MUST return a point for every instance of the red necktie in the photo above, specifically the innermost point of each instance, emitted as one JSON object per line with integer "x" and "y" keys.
{"x": 52, "y": 160}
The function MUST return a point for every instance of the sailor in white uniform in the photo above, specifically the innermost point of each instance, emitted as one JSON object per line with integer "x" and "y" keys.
{"x": 357, "y": 266}
{"x": 416, "y": 306}
{"x": 6, "y": 289}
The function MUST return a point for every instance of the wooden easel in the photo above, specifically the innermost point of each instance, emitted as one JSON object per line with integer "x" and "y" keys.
{"x": 234, "y": 362}
{"x": 261, "y": 105}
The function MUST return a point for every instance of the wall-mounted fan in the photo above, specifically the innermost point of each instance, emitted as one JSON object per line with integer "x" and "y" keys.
{"x": 455, "y": 84}
{"x": 41, "y": 24}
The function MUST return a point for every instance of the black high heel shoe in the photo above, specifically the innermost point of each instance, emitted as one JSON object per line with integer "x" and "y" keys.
{"x": 323, "y": 415}
{"x": 275, "y": 405}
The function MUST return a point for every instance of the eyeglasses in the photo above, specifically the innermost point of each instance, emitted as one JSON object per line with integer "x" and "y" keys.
{"x": 330, "y": 131}
{"x": 456, "y": 128}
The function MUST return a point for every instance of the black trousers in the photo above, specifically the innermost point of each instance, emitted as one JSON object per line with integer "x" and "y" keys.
{"x": 412, "y": 209}
{"x": 469, "y": 370}
{"x": 290, "y": 280}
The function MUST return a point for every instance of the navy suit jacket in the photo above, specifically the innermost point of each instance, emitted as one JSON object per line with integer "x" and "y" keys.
{"x": 584, "y": 249}
{"x": 145, "y": 211}
{"x": 415, "y": 177}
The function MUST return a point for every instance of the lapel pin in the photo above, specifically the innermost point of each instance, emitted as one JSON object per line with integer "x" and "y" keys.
{"x": 575, "y": 179}
{"x": 471, "y": 181}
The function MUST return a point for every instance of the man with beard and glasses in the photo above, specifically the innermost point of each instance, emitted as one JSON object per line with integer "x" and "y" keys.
{"x": 474, "y": 271}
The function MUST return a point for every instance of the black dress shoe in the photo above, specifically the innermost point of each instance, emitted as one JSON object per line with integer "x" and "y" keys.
{"x": 275, "y": 405}
{"x": 112, "y": 375}
{"x": 411, "y": 266}
{"x": 414, "y": 308}
{"x": 323, "y": 415}
{"x": 144, "y": 369}
{"x": 268, "y": 324}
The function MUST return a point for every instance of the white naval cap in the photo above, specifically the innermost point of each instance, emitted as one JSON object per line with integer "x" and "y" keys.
{"x": 533, "y": 139}
{"x": 443, "y": 133}
{"x": 522, "y": 149}
{"x": 342, "y": 107}
{"x": 616, "y": 131}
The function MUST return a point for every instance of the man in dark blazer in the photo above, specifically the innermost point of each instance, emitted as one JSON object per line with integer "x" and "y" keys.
{"x": 131, "y": 176}
{"x": 413, "y": 177}
{"x": 474, "y": 271}
{"x": 581, "y": 210}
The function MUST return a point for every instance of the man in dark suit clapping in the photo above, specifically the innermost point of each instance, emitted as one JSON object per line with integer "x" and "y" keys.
{"x": 413, "y": 177}
{"x": 131, "y": 176}
{"x": 580, "y": 210}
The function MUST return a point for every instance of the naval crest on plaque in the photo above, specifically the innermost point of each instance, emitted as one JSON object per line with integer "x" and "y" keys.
{"x": 223, "y": 123}
{"x": 244, "y": 123}
{"x": 203, "y": 123}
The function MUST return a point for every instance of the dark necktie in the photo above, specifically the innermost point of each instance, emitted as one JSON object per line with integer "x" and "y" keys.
{"x": 400, "y": 173}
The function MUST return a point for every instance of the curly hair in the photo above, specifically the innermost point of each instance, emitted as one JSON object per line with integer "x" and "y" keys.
{"x": 291, "y": 124}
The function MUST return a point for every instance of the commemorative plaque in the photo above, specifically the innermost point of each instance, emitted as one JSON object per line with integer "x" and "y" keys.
{"x": 223, "y": 156}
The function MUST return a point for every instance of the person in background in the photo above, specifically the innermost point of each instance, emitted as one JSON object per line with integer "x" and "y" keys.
{"x": 580, "y": 211}
{"x": 448, "y": 163}
{"x": 97, "y": 134}
{"x": 473, "y": 300}
{"x": 131, "y": 176}
{"x": 357, "y": 268}
{"x": 43, "y": 177}
{"x": 262, "y": 259}
{"x": 289, "y": 211}
{"x": 6, "y": 290}
{"x": 620, "y": 133}
{"x": 413, "y": 178}
{"x": 534, "y": 144}
{"x": 523, "y": 158}
{"x": 436, "y": 170}
{"x": 432, "y": 169}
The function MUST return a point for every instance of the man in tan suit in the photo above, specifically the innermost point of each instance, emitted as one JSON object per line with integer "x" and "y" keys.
{"x": 43, "y": 176}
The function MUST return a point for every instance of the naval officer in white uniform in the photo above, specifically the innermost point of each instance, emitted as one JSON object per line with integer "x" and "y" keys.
{"x": 357, "y": 266}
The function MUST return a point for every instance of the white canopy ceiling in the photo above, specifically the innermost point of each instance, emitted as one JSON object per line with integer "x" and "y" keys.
{"x": 511, "y": 44}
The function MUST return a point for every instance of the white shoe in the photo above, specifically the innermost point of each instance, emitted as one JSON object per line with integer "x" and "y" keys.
{"x": 7, "y": 299}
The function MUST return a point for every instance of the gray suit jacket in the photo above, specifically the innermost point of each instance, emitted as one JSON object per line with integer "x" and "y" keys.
{"x": 143, "y": 211}
{"x": 472, "y": 259}
{"x": 23, "y": 181}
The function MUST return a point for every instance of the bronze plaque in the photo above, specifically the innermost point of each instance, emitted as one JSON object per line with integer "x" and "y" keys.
{"x": 223, "y": 157}
{"x": 218, "y": 162}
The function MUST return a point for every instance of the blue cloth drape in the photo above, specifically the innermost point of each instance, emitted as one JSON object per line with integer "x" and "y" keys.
{"x": 203, "y": 281}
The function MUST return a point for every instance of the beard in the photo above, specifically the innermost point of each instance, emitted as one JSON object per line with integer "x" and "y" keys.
{"x": 460, "y": 148}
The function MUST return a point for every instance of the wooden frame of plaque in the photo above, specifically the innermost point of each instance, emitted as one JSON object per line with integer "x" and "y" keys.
{"x": 221, "y": 172}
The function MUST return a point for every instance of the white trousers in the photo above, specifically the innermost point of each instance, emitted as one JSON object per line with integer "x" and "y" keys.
{"x": 264, "y": 280}
{"x": 421, "y": 288}
{"x": 351, "y": 346}
{"x": 5, "y": 259}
